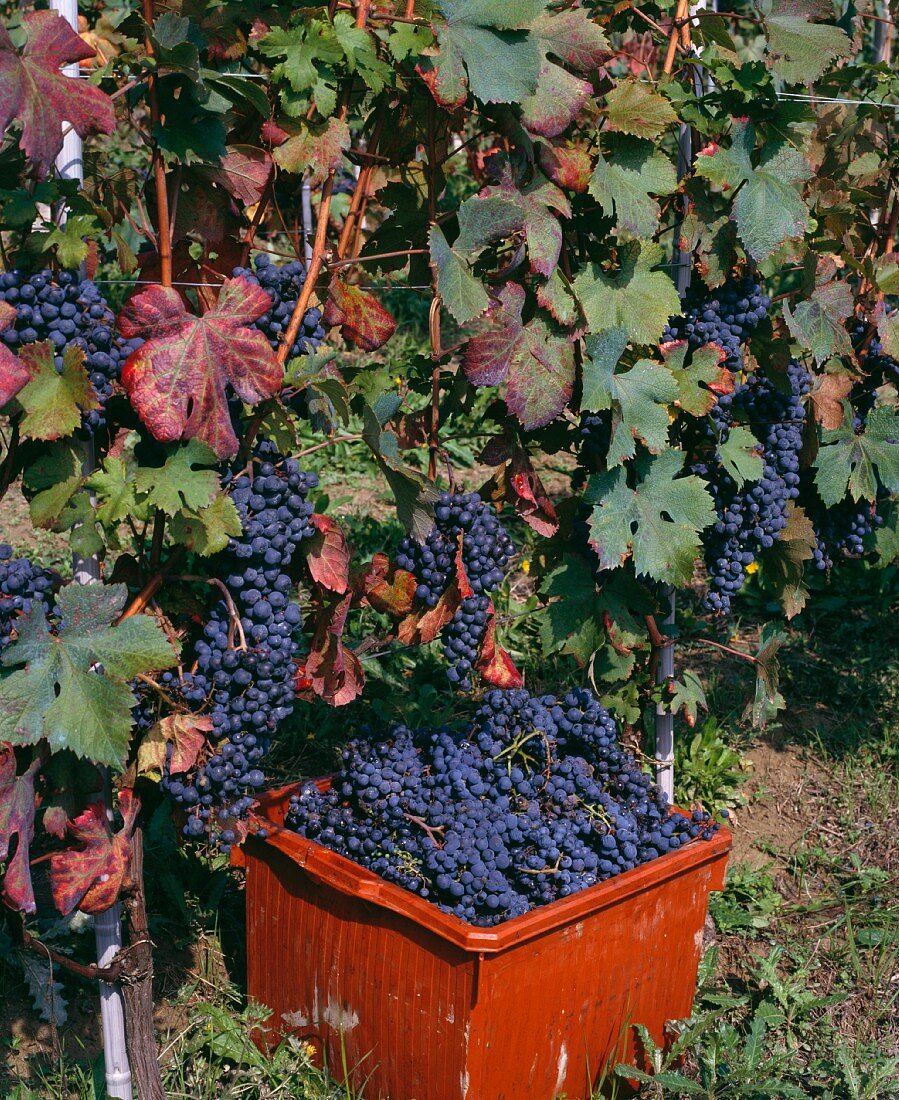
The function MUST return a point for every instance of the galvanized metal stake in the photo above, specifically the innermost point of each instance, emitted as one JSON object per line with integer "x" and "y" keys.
{"x": 107, "y": 925}
{"x": 664, "y": 719}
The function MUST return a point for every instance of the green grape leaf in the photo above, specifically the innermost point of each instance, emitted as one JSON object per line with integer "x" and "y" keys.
{"x": 408, "y": 40}
{"x": 80, "y": 520}
{"x": 484, "y": 46}
{"x": 768, "y": 699}
{"x": 535, "y": 362}
{"x": 54, "y": 477}
{"x": 687, "y": 697}
{"x": 634, "y": 298}
{"x": 308, "y": 52}
{"x": 799, "y": 49}
{"x": 639, "y": 397}
{"x": 73, "y": 690}
{"x": 68, "y": 239}
{"x": 486, "y": 218}
{"x": 700, "y": 380}
{"x": 207, "y": 530}
{"x": 463, "y": 295}
{"x": 496, "y": 212}
{"x": 556, "y": 298}
{"x": 769, "y": 208}
{"x": 605, "y": 351}
{"x": 573, "y": 37}
{"x": 571, "y": 621}
{"x": 708, "y": 234}
{"x": 586, "y": 622}
{"x": 413, "y": 493}
{"x": 54, "y": 400}
{"x": 886, "y": 539}
{"x": 624, "y": 184}
{"x": 113, "y": 485}
{"x": 851, "y": 462}
{"x": 48, "y": 995}
{"x": 634, "y": 108}
{"x": 739, "y": 455}
{"x": 183, "y": 481}
{"x": 886, "y": 269}
{"x": 819, "y": 322}
{"x": 658, "y": 522}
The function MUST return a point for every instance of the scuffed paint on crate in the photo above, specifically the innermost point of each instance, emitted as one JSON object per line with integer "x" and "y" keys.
{"x": 538, "y": 1006}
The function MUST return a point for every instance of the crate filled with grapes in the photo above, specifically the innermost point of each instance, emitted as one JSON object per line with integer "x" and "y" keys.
{"x": 480, "y": 911}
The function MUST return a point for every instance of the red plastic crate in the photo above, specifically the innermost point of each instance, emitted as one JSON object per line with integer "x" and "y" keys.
{"x": 419, "y": 1005}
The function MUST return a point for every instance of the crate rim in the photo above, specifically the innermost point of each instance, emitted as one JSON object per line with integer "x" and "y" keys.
{"x": 352, "y": 879}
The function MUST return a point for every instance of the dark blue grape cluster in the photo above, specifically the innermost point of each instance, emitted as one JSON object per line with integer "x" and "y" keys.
{"x": 534, "y": 800}
{"x": 753, "y": 517}
{"x": 344, "y": 182}
{"x": 283, "y": 283}
{"x": 840, "y": 531}
{"x": 21, "y": 583}
{"x": 486, "y": 553}
{"x": 594, "y": 438}
{"x": 244, "y": 663}
{"x": 726, "y": 317}
{"x": 68, "y": 310}
{"x": 462, "y": 638}
{"x": 879, "y": 368}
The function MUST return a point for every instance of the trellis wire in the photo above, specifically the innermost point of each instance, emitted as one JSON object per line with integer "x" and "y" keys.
{"x": 108, "y": 924}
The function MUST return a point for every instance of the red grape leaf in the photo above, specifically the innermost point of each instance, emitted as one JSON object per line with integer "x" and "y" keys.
{"x": 495, "y": 665}
{"x": 244, "y": 172}
{"x": 17, "y": 807}
{"x": 91, "y": 877}
{"x": 34, "y": 91}
{"x": 387, "y": 589}
{"x": 362, "y": 318}
{"x": 334, "y": 669}
{"x": 517, "y": 482}
{"x": 176, "y": 380}
{"x": 218, "y": 260}
{"x": 536, "y": 364}
{"x": 13, "y": 374}
{"x": 424, "y": 623}
{"x": 186, "y": 733}
{"x": 55, "y": 820}
{"x": 328, "y": 556}
{"x": 559, "y": 99}
{"x": 316, "y": 149}
{"x": 273, "y": 134}
{"x": 567, "y": 165}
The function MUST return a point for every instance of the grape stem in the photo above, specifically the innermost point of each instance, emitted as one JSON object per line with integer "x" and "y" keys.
{"x": 724, "y": 648}
{"x": 431, "y": 830}
{"x": 152, "y": 586}
{"x": 234, "y": 618}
